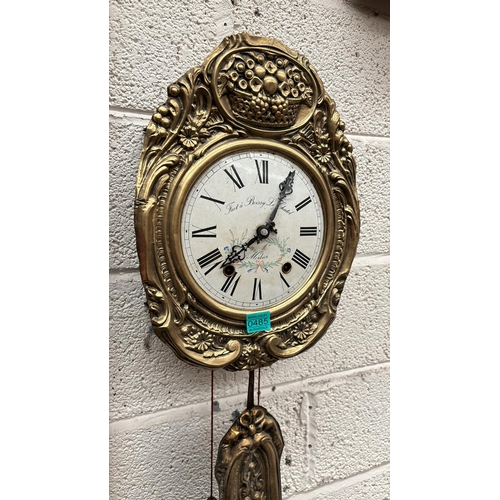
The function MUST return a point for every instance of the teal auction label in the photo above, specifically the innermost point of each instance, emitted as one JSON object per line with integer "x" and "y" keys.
{"x": 258, "y": 322}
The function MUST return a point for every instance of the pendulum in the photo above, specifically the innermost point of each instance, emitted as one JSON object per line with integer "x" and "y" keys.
{"x": 248, "y": 461}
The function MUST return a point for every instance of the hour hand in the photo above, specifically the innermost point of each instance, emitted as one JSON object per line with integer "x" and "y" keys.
{"x": 238, "y": 251}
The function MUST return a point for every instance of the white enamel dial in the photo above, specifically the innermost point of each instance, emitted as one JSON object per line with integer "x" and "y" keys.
{"x": 224, "y": 224}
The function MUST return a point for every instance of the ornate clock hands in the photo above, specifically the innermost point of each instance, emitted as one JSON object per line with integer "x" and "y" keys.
{"x": 238, "y": 251}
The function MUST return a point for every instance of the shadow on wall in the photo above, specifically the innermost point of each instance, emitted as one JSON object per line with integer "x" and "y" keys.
{"x": 377, "y": 6}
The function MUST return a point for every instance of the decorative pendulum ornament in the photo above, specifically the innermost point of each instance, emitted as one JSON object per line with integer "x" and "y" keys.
{"x": 248, "y": 463}
{"x": 247, "y": 222}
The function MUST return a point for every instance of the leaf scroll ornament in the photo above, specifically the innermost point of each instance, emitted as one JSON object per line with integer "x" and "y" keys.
{"x": 203, "y": 342}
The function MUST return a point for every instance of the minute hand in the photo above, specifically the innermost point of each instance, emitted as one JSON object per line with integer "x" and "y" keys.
{"x": 285, "y": 190}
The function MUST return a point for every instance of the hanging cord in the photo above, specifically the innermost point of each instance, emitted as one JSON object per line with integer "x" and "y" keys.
{"x": 211, "y": 497}
{"x": 258, "y": 390}
{"x": 251, "y": 378}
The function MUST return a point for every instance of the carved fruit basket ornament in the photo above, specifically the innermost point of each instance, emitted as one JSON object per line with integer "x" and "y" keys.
{"x": 246, "y": 208}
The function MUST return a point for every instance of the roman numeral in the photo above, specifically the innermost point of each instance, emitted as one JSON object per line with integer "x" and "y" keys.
{"x": 284, "y": 281}
{"x": 228, "y": 283}
{"x": 209, "y": 198}
{"x": 301, "y": 259}
{"x": 303, "y": 203}
{"x": 206, "y": 232}
{"x": 237, "y": 180}
{"x": 209, "y": 258}
{"x": 308, "y": 231}
{"x": 263, "y": 171}
{"x": 257, "y": 289}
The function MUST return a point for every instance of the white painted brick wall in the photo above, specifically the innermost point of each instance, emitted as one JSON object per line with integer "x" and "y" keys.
{"x": 332, "y": 402}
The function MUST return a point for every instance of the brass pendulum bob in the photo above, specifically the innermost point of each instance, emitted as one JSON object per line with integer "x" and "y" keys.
{"x": 248, "y": 461}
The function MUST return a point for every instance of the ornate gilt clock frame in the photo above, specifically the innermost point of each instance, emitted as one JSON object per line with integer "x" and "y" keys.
{"x": 209, "y": 114}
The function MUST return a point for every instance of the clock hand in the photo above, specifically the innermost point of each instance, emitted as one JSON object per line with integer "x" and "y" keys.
{"x": 285, "y": 190}
{"x": 238, "y": 251}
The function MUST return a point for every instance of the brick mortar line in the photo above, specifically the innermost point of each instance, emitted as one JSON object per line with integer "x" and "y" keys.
{"x": 115, "y": 271}
{"x": 309, "y": 403}
{"x": 130, "y": 113}
{"x": 147, "y": 115}
{"x": 360, "y": 136}
{"x": 371, "y": 260}
{"x": 341, "y": 484}
{"x": 148, "y": 420}
{"x": 380, "y": 259}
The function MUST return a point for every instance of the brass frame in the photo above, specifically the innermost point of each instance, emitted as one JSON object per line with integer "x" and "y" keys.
{"x": 199, "y": 125}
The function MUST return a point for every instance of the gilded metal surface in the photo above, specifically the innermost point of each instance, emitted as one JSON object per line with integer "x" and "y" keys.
{"x": 251, "y": 93}
{"x": 248, "y": 462}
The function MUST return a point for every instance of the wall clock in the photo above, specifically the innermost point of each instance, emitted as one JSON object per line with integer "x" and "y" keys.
{"x": 247, "y": 221}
